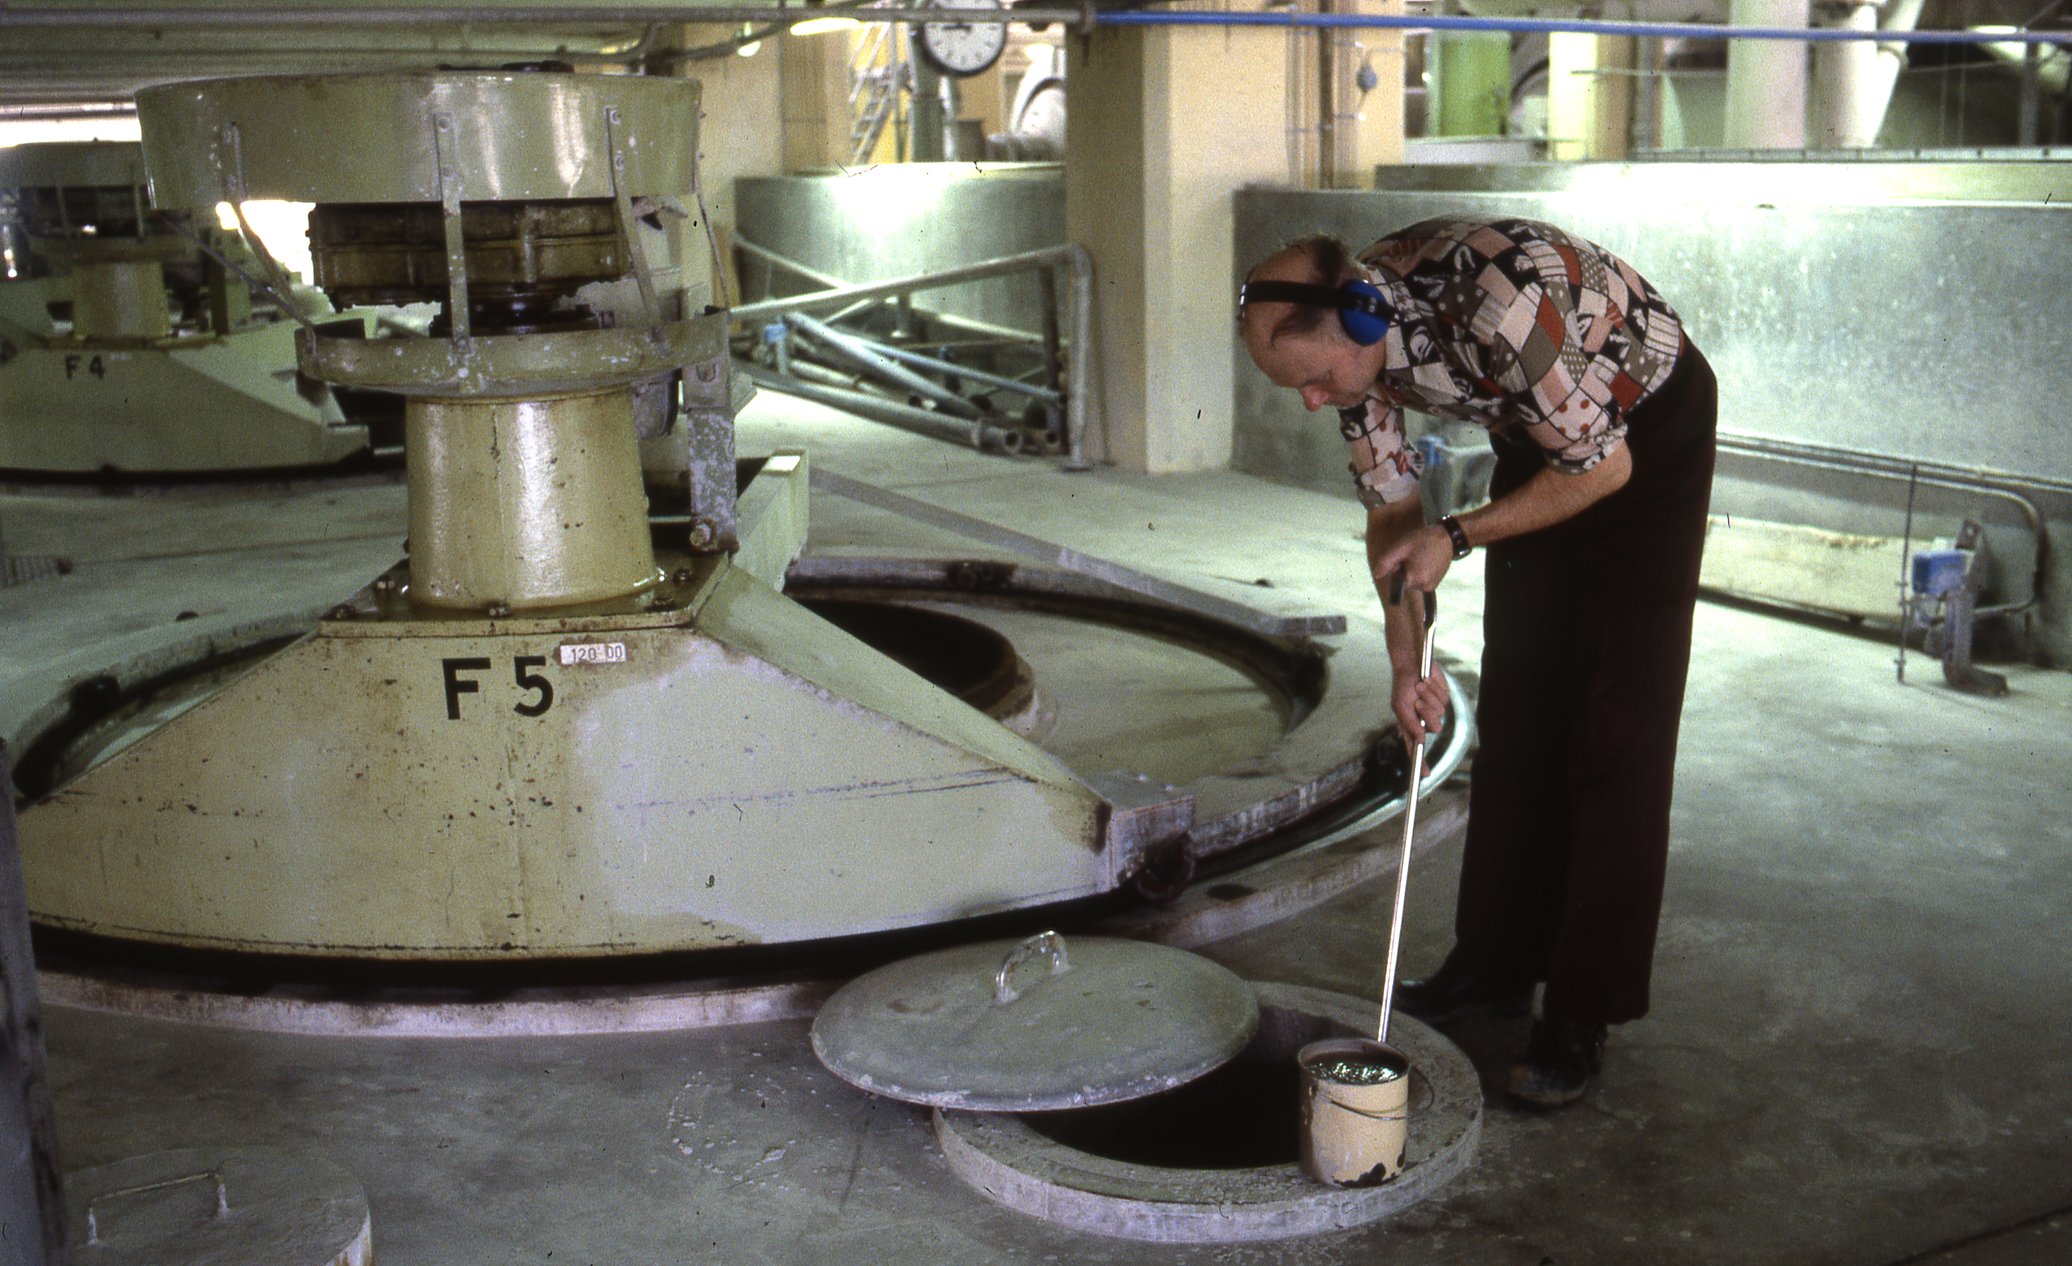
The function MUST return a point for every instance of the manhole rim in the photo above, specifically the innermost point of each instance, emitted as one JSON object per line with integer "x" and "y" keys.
{"x": 1253, "y": 1203}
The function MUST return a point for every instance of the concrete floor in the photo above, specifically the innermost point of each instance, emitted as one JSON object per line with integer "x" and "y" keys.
{"x": 1857, "y": 1053}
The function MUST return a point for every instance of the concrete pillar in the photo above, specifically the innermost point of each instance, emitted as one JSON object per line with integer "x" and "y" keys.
{"x": 738, "y": 96}
{"x": 983, "y": 98}
{"x": 1589, "y": 96}
{"x": 1165, "y": 123}
{"x": 1766, "y": 79}
{"x": 815, "y": 76}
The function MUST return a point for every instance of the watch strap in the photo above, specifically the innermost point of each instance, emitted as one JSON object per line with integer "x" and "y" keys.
{"x": 1458, "y": 535}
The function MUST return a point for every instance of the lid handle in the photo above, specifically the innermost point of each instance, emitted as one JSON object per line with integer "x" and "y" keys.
{"x": 1048, "y": 944}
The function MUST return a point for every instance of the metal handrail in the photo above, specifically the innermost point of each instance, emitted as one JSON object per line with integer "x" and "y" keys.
{"x": 1879, "y": 466}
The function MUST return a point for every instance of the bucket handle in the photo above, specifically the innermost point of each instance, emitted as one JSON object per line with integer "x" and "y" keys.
{"x": 1048, "y": 944}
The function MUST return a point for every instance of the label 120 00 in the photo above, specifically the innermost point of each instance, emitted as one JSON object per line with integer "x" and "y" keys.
{"x": 593, "y": 653}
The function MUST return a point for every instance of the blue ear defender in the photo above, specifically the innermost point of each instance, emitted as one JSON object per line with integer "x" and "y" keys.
{"x": 1362, "y": 310}
{"x": 1365, "y": 320}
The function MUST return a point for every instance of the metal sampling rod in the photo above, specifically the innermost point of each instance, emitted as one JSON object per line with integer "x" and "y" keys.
{"x": 1416, "y": 755}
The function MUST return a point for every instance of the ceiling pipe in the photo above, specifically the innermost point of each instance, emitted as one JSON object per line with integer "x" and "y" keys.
{"x": 1083, "y": 17}
{"x": 1587, "y": 26}
{"x": 559, "y": 16}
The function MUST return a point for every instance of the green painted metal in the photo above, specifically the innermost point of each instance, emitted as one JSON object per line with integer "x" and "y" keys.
{"x": 1471, "y": 83}
{"x": 25, "y": 305}
{"x": 731, "y": 772}
{"x": 512, "y": 136}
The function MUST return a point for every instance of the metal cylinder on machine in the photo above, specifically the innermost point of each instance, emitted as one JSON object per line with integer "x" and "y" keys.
{"x": 115, "y": 300}
{"x": 525, "y": 504}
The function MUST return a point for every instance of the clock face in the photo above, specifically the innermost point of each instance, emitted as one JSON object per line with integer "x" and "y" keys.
{"x": 963, "y": 48}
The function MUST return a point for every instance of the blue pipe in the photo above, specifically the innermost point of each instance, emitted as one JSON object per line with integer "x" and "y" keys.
{"x": 1581, "y": 26}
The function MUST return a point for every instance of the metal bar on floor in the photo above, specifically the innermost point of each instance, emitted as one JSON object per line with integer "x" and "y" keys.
{"x": 922, "y": 361}
{"x": 1175, "y": 595}
{"x": 872, "y": 359}
{"x": 1078, "y": 421}
{"x": 936, "y": 426}
{"x": 1047, "y": 279}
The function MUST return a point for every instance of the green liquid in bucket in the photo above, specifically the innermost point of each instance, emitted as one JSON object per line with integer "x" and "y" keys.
{"x": 1354, "y": 1072}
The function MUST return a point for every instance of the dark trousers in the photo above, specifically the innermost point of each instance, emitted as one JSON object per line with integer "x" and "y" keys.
{"x": 1587, "y": 636}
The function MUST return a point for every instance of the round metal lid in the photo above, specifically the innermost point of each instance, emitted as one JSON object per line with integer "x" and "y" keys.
{"x": 1020, "y": 1026}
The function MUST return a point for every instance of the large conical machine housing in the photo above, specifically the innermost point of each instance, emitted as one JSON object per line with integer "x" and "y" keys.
{"x": 545, "y": 734}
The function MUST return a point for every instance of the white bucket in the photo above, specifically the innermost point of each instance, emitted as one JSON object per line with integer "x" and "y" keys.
{"x": 1353, "y": 1127}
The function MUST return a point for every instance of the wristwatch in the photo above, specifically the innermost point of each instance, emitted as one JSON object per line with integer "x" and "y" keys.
{"x": 1458, "y": 534}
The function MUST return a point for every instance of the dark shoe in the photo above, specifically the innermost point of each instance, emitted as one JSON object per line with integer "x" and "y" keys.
{"x": 1451, "y": 994}
{"x": 1560, "y": 1058}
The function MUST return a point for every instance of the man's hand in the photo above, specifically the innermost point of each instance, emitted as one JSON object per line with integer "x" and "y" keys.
{"x": 1393, "y": 533}
{"x": 1420, "y": 707}
{"x": 1423, "y": 556}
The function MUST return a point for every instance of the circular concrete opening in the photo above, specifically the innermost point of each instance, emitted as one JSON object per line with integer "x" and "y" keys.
{"x": 1216, "y": 1161}
{"x": 962, "y": 656}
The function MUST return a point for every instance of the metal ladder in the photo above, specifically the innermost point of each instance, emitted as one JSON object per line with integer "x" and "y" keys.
{"x": 873, "y": 88}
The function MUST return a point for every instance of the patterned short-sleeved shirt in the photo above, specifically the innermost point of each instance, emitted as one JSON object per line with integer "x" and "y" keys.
{"x": 1508, "y": 324}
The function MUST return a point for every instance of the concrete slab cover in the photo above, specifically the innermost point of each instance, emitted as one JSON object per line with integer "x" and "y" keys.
{"x": 1010, "y": 1162}
{"x": 1036, "y": 1024}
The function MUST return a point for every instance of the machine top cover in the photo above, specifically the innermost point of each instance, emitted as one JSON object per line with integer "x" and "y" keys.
{"x": 499, "y": 136}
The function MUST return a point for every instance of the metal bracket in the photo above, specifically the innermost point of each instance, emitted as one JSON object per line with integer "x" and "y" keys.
{"x": 720, "y": 290}
{"x": 444, "y": 135}
{"x": 715, "y": 523}
{"x": 629, "y": 227}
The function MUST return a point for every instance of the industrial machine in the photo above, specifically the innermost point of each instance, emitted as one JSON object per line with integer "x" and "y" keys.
{"x": 132, "y": 340}
{"x": 554, "y": 730}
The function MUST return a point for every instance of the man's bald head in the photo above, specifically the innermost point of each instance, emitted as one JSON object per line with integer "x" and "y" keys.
{"x": 1318, "y": 260}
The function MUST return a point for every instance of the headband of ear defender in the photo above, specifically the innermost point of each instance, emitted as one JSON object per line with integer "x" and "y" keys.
{"x": 1361, "y": 308}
